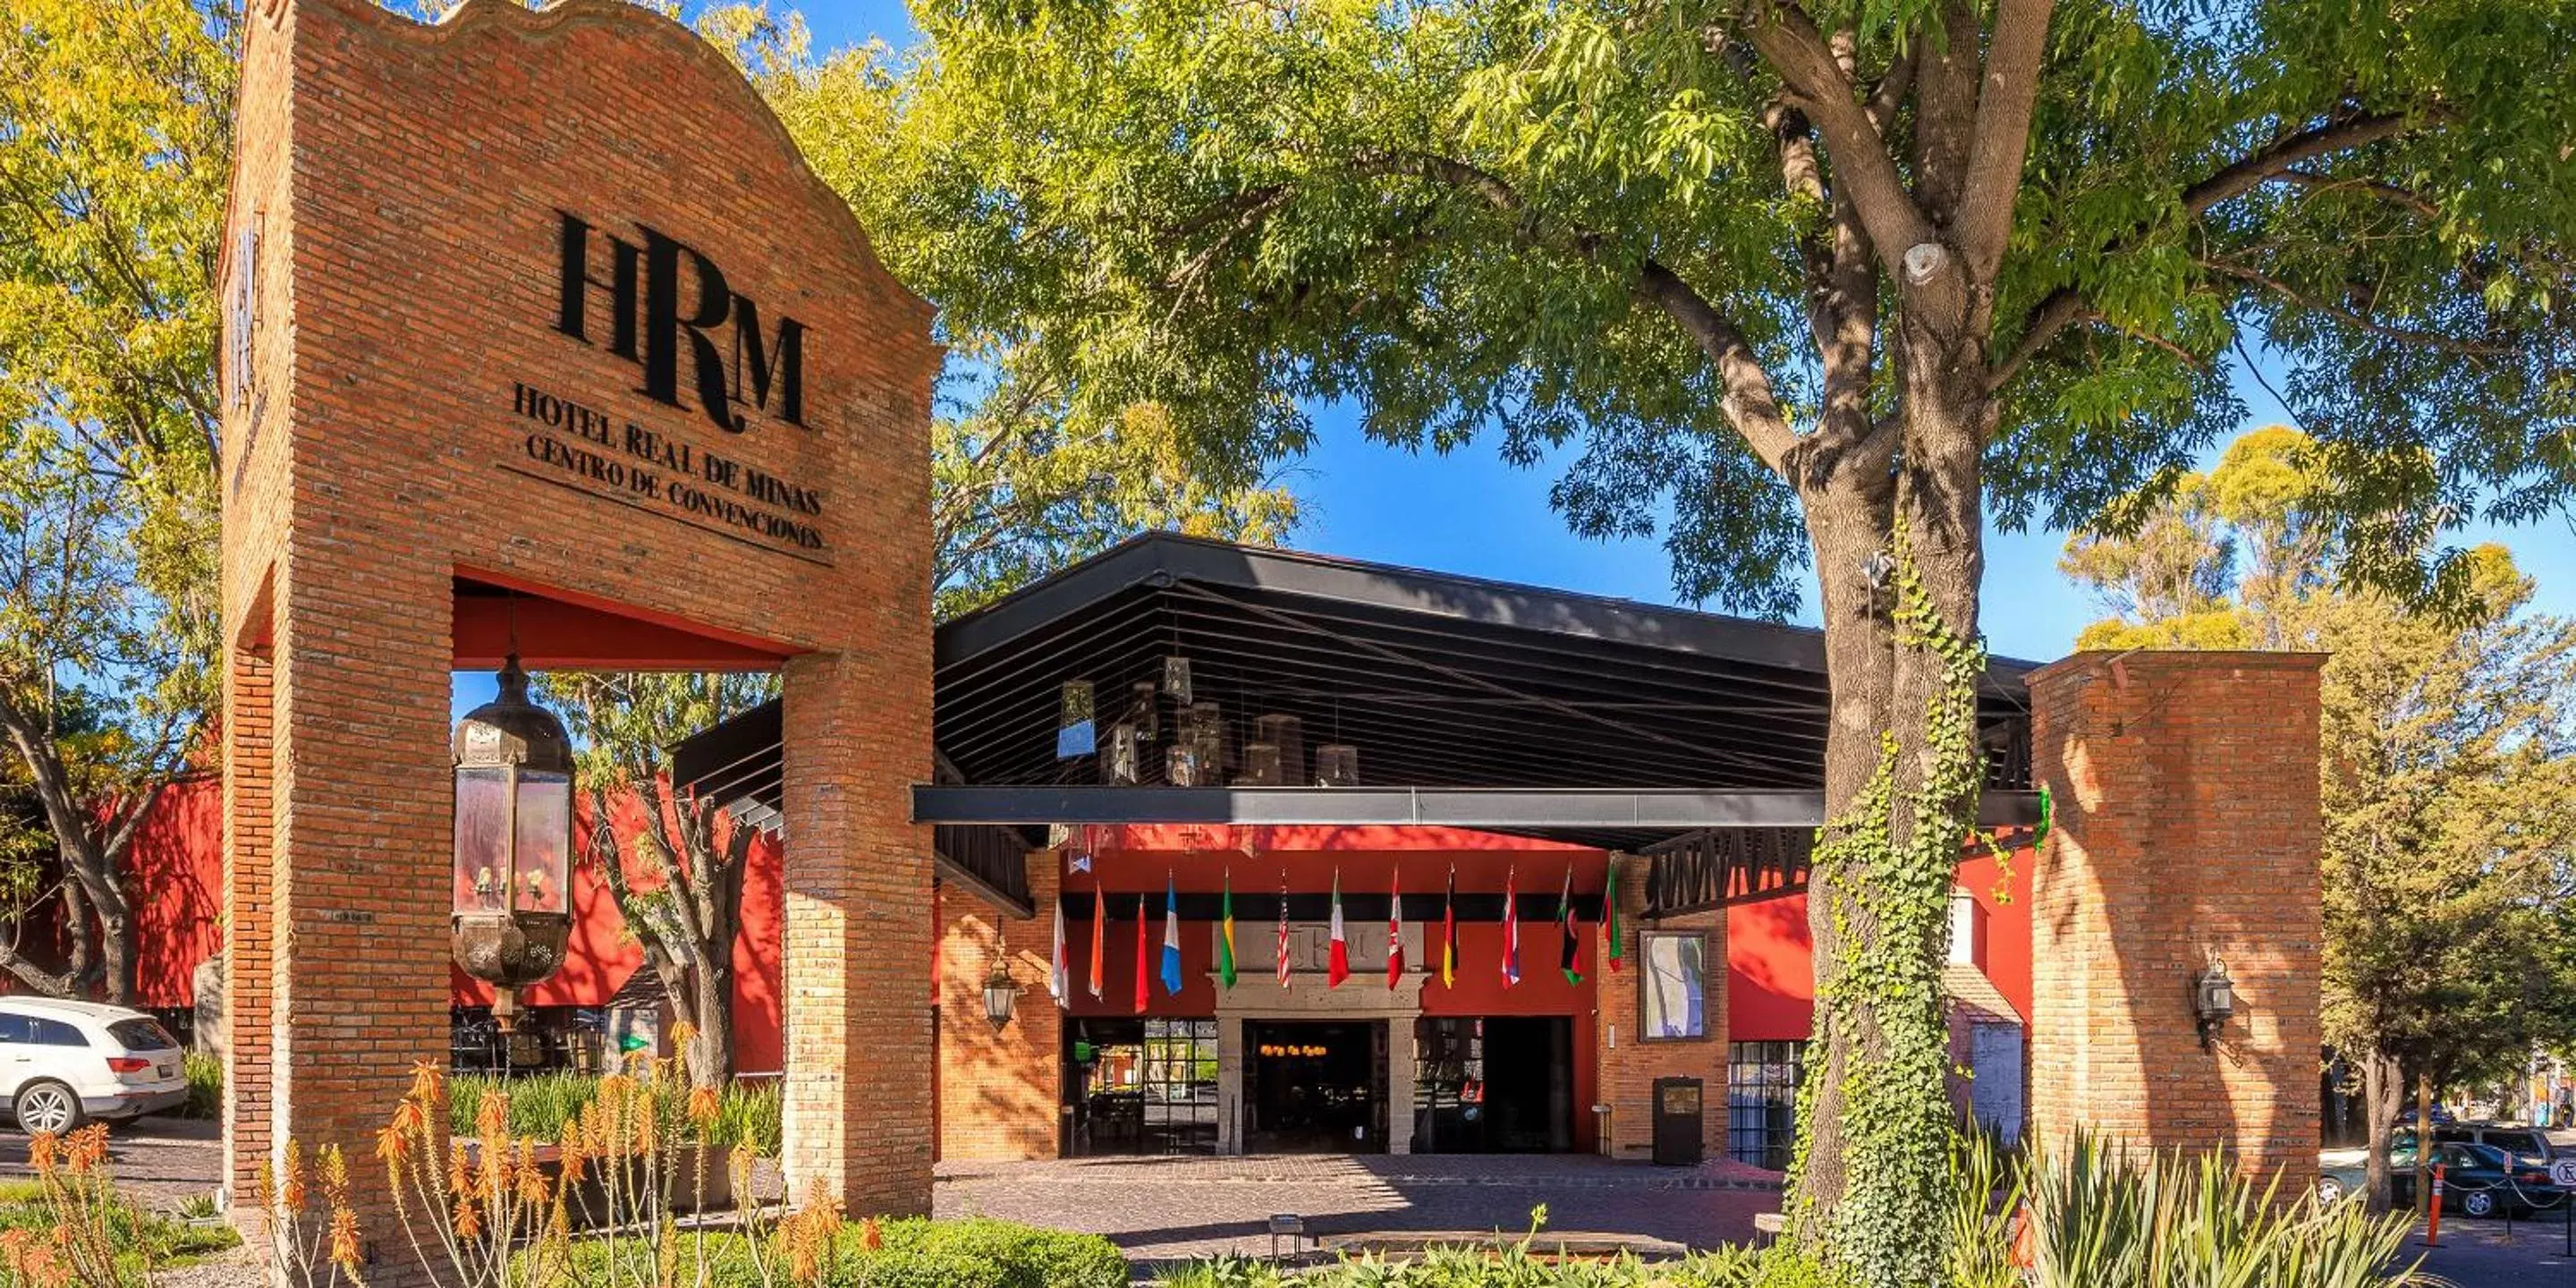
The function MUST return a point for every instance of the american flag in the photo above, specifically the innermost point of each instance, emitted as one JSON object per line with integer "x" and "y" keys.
{"x": 1283, "y": 930}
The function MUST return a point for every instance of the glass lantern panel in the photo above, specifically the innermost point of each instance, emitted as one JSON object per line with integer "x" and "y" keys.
{"x": 545, "y": 841}
{"x": 482, "y": 841}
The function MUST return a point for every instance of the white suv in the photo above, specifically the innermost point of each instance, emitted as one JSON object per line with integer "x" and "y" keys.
{"x": 65, "y": 1062}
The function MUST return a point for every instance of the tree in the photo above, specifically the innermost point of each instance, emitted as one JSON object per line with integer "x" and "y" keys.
{"x": 1839, "y": 283}
{"x": 2448, "y": 774}
{"x": 678, "y": 883}
{"x": 114, "y": 142}
{"x": 1025, "y": 479}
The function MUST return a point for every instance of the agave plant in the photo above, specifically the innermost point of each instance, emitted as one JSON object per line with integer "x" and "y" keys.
{"x": 2104, "y": 1217}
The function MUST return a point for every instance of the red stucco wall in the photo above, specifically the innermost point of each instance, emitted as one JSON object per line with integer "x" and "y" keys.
{"x": 1771, "y": 963}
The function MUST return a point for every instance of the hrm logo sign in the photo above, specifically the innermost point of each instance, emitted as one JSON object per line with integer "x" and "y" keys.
{"x": 732, "y": 363}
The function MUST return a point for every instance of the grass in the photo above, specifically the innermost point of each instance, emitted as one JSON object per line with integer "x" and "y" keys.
{"x": 133, "y": 1231}
{"x": 541, "y": 1104}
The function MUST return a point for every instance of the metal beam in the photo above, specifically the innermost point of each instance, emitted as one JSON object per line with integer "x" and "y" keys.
{"x": 1468, "y": 807}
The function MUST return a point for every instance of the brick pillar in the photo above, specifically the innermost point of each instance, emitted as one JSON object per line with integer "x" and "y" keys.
{"x": 2187, "y": 829}
{"x": 1629, "y": 1066}
{"x": 248, "y": 942}
{"x": 1000, "y": 1089}
{"x": 858, "y": 1043}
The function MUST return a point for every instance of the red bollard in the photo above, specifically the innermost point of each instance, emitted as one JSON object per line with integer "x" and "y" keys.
{"x": 2433, "y": 1223}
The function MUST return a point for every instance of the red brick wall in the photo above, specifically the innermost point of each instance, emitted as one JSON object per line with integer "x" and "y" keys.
{"x": 1629, "y": 1067}
{"x": 1000, "y": 1088}
{"x": 2187, "y": 809}
{"x": 408, "y": 181}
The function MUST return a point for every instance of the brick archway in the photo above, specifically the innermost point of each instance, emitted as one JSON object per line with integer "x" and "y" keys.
{"x": 548, "y": 301}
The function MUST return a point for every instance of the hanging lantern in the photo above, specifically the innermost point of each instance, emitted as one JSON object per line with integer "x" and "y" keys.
{"x": 513, "y": 907}
{"x": 1001, "y": 992}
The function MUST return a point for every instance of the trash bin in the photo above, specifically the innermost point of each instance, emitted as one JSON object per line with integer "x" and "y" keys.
{"x": 1677, "y": 1122}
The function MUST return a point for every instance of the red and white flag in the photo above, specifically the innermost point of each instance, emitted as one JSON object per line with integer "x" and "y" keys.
{"x": 1394, "y": 933}
{"x": 1340, "y": 967}
{"x": 1060, "y": 972}
{"x": 1283, "y": 930}
{"x": 1511, "y": 927}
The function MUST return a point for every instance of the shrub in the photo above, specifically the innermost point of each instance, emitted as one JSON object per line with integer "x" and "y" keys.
{"x": 1019, "y": 1256}
{"x": 541, "y": 1105}
{"x": 69, "y": 1224}
{"x": 2092, "y": 1216}
{"x": 205, "y": 1085}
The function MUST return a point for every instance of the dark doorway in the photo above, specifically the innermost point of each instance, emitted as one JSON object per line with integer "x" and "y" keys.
{"x": 1496, "y": 1085}
{"x": 1314, "y": 1087}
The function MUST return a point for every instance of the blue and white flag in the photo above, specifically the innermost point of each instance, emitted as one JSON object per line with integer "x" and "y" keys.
{"x": 1171, "y": 940}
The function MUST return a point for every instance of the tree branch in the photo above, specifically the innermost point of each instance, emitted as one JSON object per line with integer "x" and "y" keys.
{"x": 2275, "y": 160}
{"x": 1749, "y": 403}
{"x": 1789, "y": 41}
{"x": 2002, "y": 139}
{"x": 2410, "y": 335}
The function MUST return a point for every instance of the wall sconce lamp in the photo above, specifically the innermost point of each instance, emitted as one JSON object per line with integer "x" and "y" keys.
{"x": 1001, "y": 992}
{"x": 2213, "y": 1002}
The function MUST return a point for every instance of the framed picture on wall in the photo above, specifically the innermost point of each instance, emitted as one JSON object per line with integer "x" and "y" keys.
{"x": 1672, "y": 987}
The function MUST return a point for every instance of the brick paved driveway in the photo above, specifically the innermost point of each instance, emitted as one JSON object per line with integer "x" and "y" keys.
{"x": 1163, "y": 1209}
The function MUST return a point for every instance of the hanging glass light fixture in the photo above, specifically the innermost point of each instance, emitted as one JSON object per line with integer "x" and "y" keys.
{"x": 512, "y": 906}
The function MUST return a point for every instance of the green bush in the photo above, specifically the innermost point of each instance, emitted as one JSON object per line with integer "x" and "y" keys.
{"x": 2100, "y": 1217}
{"x": 205, "y": 1085}
{"x": 975, "y": 1253}
{"x": 541, "y": 1104}
{"x": 982, "y": 1253}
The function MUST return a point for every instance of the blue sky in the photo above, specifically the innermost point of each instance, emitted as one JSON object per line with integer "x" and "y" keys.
{"x": 1470, "y": 513}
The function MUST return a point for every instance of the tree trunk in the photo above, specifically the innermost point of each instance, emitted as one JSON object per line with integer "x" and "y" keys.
{"x": 710, "y": 1056}
{"x": 2423, "y": 1143}
{"x": 1899, "y": 557}
{"x": 2383, "y": 1093}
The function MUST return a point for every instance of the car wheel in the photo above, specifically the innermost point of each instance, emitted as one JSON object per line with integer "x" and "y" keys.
{"x": 2478, "y": 1203}
{"x": 47, "y": 1107}
{"x": 2329, "y": 1191}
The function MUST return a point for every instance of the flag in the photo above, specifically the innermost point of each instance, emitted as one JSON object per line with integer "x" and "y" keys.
{"x": 1171, "y": 939}
{"x": 1225, "y": 935}
{"x": 1060, "y": 967}
{"x": 1511, "y": 928}
{"x": 1569, "y": 937}
{"x": 1283, "y": 929}
{"x": 1449, "y": 932}
{"x": 1140, "y": 954}
{"x": 1099, "y": 936}
{"x": 1395, "y": 933}
{"x": 1612, "y": 950}
{"x": 1339, "y": 967}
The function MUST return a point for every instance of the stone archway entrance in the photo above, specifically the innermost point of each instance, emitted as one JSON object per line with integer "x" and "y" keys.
{"x": 548, "y": 301}
{"x": 1362, "y": 1011}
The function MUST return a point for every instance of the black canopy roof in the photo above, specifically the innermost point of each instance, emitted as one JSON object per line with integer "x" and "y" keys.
{"x": 1438, "y": 681}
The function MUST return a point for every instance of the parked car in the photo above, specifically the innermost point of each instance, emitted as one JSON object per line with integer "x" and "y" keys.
{"x": 2478, "y": 1180}
{"x": 2528, "y": 1146}
{"x": 64, "y": 1063}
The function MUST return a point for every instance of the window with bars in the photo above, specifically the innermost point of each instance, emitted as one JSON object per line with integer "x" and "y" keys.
{"x": 1762, "y": 1101}
{"x": 1143, "y": 1086}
